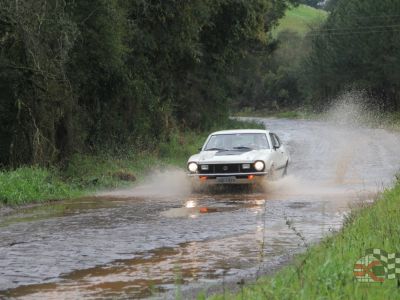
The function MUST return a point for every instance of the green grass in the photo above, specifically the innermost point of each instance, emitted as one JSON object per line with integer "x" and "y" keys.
{"x": 390, "y": 121}
{"x": 300, "y": 19}
{"x": 32, "y": 184}
{"x": 325, "y": 271}
{"x": 86, "y": 174}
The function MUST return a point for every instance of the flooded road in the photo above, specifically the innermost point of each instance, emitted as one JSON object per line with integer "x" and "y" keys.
{"x": 158, "y": 239}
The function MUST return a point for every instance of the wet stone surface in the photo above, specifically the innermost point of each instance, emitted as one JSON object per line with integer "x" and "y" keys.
{"x": 150, "y": 240}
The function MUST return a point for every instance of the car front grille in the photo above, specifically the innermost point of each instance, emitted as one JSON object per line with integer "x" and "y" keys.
{"x": 226, "y": 169}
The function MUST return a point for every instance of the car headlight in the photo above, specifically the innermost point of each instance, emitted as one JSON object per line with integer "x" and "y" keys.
{"x": 259, "y": 165}
{"x": 192, "y": 167}
{"x": 246, "y": 166}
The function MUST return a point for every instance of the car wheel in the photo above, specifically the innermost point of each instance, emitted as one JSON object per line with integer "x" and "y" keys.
{"x": 285, "y": 170}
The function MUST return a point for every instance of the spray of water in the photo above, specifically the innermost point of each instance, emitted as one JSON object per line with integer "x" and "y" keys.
{"x": 330, "y": 158}
{"x": 167, "y": 183}
{"x": 353, "y": 109}
{"x": 349, "y": 117}
{"x": 344, "y": 154}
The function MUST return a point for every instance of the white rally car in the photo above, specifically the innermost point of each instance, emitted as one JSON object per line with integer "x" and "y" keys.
{"x": 245, "y": 156}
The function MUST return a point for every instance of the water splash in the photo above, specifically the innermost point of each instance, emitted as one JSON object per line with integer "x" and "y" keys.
{"x": 167, "y": 183}
{"x": 353, "y": 109}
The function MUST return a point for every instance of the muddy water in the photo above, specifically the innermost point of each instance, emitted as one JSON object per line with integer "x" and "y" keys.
{"x": 157, "y": 240}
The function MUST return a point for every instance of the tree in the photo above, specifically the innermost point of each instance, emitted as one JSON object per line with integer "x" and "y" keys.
{"x": 357, "y": 48}
{"x": 78, "y": 75}
{"x": 330, "y": 5}
{"x": 36, "y": 96}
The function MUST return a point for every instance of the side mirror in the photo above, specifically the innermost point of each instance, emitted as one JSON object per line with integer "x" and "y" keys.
{"x": 276, "y": 147}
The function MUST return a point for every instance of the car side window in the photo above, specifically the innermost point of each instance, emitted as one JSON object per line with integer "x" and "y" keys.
{"x": 275, "y": 140}
{"x": 278, "y": 140}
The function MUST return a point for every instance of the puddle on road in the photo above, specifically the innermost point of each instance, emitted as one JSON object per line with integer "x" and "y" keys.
{"x": 56, "y": 209}
{"x": 195, "y": 206}
{"x": 199, "y": 263}
{"x": 158, "y": 271}
{"x": 316, "y": 209}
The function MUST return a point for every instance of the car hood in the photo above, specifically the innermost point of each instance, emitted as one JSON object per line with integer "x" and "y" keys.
{"x": 210, "y": 157}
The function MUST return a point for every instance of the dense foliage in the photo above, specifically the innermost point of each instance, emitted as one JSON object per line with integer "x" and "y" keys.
{"x": 74, "y": 74}
{"x": 357, "y": 48}
{"x": 78, "y": 74}
{"x": 273, "y": 79}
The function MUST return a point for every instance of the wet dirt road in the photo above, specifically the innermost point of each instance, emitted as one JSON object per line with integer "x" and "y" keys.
{"x": 157, "y": 239}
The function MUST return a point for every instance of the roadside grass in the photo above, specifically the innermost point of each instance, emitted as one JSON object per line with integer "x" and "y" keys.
{"x": 300, "y": 19}
{"x": 391, "y": 121}
{"x": 325, "y": 271}
{"x": 32, "y": 184}
{"x": 88, "y": 173}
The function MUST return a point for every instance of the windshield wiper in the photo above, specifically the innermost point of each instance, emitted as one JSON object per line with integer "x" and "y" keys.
{"x": 242, "y": 147}
{"x": 215, "y": 149}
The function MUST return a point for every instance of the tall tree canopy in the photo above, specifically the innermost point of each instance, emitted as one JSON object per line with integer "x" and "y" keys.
{"x": 74, "y": 74}
{"x": 358, "y": 48}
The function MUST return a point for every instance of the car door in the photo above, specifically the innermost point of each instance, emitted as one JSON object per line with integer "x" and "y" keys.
{"x": 281, "y": 156}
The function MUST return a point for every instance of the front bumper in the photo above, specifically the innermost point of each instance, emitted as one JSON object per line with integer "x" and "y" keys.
{"x": 233, "y": 178}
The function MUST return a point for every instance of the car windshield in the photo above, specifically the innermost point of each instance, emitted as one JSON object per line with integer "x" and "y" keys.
{"x": 237, "y": 141}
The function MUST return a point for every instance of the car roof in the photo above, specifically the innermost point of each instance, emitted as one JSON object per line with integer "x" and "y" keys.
{"x": 233, "y": 131}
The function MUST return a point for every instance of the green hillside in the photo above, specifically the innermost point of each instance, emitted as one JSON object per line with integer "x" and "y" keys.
{"x": 300, "y": 19}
